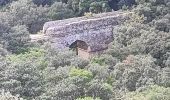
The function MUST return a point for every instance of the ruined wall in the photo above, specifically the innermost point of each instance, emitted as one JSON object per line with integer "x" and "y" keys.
{"x": 96, "y": 31}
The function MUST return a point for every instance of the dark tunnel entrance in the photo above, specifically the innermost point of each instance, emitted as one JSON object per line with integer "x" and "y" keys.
{"x": 81, "y": 48}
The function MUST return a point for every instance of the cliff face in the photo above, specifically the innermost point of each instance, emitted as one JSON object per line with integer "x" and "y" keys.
{"x": 95, "y": 31}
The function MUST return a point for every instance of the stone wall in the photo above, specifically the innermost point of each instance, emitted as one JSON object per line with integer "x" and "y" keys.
{"x": 96, "y": 31}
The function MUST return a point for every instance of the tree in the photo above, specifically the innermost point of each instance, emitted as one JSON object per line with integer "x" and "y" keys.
{"x": 97, "y": 88}
{"x": 9, "y": 96}
{"x": 136, "y": 72}
{"x": 22, "y": 74}
{"x": 95, "y": 7}
{"x": 4, "y": 2}
{"x": 17, "y": 40}
{"x": 42, "y": 2}
{"x": 59, "y": 11}
{"x": 14, "y": 39}
{"x": 153, "y": 92}
{"x": 163, "y": 24}
{"x": 134, "y": 37}
{"x": 32, "y": 16}
{"x": 81, "y": 6}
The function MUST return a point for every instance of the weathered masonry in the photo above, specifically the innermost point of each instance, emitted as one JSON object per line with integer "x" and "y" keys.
{"x": 87, "y": 34}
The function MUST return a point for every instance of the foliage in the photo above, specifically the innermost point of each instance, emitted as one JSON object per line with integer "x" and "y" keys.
{"x": 23, "y": 73}
{"x": 165, "y": 75}
{"x": 59, "y": 58}
{"x": 98, "y": 7}
{"x": 79, "y": 62}
{"x": 9, "y": 96}
{"x": 42, "y": 2}
{"x": 4, "y": 2}
{"x": 81, "y": 6}
{"x": 97, "y": 88}
{"x": 136, "y": 65}
{"x": 104, "y": 60}
{"x": 88, "y": 98}
{"x": 59, "y": 11}
{"x": 17, "y": 40}
{"x": 33, "y": 16}
{"x": 163, "y": 24}
{"x": 90, "y": 14}
{"x": 81, "y": 73}
{"x": 34, "y": 54}
{"x": 153, "y": 92}
{"x": 135, "y": 72}
{"x": 137, "y": 38}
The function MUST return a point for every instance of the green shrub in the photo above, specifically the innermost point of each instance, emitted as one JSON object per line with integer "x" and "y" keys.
{"x": 81, "y": 73}
{"x": 34, "y": 55}
{"x": 98, "y": 60}
{"x": 154, "y": 92}
{"x": 79, "y": 62}
{"x": 104, "y": 60}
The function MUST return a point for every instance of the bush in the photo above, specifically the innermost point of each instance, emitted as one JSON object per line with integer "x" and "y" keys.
{"x": 79, "y": 62}
{"x": 81, "y": 73}
{"x": 59, "y": 11}
{"x": 105, "y": 60}
{"x": 97, "y": 88}
{"x": 9, "y": 96}
{"x": 23, "y": 73}
{"x": 99, "y": 72}
{"x": 153, "y": 92}
{"x": 18, "y": 39}
{"x": 26, "y": 13}
{"x": 135, "y": 72}
{"x": 59, "y": 58}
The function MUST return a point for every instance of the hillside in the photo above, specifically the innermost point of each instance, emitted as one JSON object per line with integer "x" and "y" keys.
{"x": 135, "y": 65}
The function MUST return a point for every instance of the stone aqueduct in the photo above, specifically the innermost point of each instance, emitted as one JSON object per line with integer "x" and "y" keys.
{"x": 95, "y": 31}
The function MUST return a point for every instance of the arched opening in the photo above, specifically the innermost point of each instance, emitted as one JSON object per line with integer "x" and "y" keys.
{"x": 81, "y": 48}
{"x": 78, "y": 45}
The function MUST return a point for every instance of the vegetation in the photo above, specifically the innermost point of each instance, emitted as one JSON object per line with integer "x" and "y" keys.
{"x": 150, "y": 93}
{"x": 136, "y": 65}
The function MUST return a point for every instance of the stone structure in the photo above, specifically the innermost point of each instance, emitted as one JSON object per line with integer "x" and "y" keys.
{"x": 95, "y": 31}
